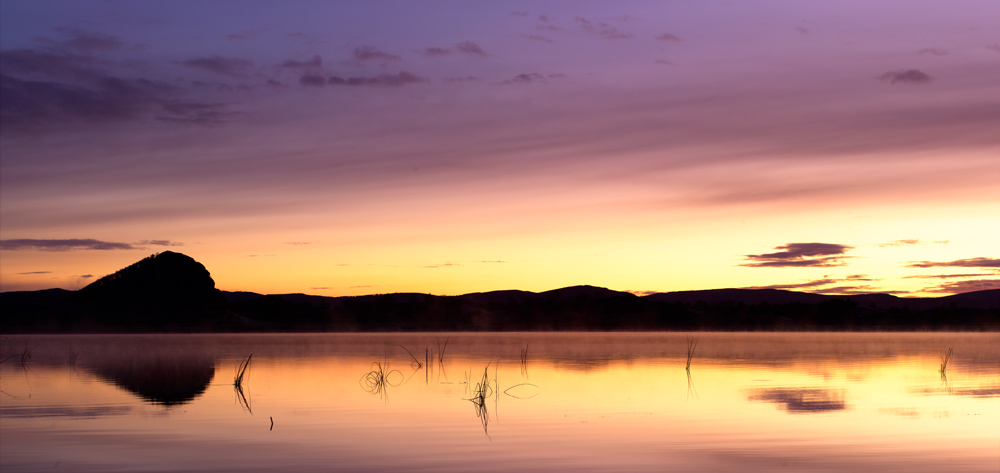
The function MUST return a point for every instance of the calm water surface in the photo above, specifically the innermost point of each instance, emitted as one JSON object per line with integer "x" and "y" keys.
{"x": 501, "y": 402}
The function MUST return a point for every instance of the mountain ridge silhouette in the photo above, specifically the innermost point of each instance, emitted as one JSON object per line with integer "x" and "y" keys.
{"x": 171, "y": 291}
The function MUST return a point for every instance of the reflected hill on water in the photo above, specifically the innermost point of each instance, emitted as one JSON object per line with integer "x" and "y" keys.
{"x": 159, "y": 379}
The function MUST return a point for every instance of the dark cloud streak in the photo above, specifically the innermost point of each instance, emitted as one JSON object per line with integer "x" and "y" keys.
{"x": 78, "y": 244}
{"x": 801, "y": 255}
{"x": 910, "y": 76}
{"x": 233, "y": 67}
{"x": 961, "y": 263}
{"x": 669, "y": 38}
{"x": 368, "y": 53}
{"x": 601, "y": 29}
{"x": 63, "y": 245}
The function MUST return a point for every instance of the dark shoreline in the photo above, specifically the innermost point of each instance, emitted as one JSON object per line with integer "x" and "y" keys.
{"x": 581, "y": 308}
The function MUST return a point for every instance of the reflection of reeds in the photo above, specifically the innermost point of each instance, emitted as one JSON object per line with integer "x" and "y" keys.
{"x": 692, "y": 392}
{"x": 25, "y": 355}
{"x": 377, "y": 380}
{"x": 415, "y": 364}
{"x": 480, "y": 393}
{"x": 241, "y": 376}
{"x": 524, "y": 360}
{"x": 692, "y": 342}
{"x": 945, "y": 360}
{"x": 241, "y": 371}
{"x": 441, "y": 349}
{"x": 522, "y": 385}
{"x": 73, "y": 355}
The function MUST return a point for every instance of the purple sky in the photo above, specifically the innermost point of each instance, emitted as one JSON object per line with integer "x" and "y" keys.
{"x": 451, "y": 147}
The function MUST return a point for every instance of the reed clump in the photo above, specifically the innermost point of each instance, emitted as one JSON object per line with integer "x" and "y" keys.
{"x": 441, "y": 349}
{"x": 945, "y": 360}
{"x": 242, "y": 372}
{"x": 415, "y": 364}
{"x": 480, "y": 393}
{"x": 378, "y": 379}
{"x": 692, "y": 343}
{"x": 524, "y": 360}
{"x": 24, "y": 355}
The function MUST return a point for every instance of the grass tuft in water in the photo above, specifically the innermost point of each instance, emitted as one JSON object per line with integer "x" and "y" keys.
{"x": 480, "y": 393}
{"x": 377, "y": 380}
{"x": 692, "y": 343}
{"x": 415, "y": 364}
{"x": 241, "y": 375}
{"x": 945, "y": 360}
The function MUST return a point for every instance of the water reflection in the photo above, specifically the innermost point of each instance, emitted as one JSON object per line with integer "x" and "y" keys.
{"x": 481, "y": 392}
{"x": 798, "y": 401}
{"x": 65, "y": 411}
{"x": 164, "y": 379}
{"x": 611, "y": 402}
{"x": 380, "y": 378}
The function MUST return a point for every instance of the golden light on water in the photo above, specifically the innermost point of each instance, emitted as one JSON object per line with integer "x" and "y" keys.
{"x": 865, "y": 402}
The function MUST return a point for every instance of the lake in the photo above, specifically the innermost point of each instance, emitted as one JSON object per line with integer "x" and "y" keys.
{"x": 501, "y": 402}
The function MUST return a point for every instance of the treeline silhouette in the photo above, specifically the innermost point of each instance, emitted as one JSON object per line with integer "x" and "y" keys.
{"x": 171, "y": 292}
{"x": 597, "y": 311}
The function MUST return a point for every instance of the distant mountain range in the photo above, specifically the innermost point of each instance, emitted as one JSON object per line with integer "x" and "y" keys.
{"x": 173, "y": 292}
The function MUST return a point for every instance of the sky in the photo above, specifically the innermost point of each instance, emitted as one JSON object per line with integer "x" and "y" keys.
{"x": 348, "y": 148}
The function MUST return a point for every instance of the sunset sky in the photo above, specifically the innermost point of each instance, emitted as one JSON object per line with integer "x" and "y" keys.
{"x": 338, "y": 148}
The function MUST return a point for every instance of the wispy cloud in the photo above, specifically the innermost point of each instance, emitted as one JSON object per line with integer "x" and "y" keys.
{"x": 247, "y": 34}
{"x": 35, "y": 272}
{"x": 539, "y": 38}
{"x": 909, "y": 76}
{"x": 227, "y": 66}
{"x": 390, "y": 80}
{"x": 305, "y": 38}
{"x": 933, "y": 52}
{"x": 202, "y": 113}
{"x": 463, "y": 79}
{"x": 908, "y": 242}
{"x": 63, "y": 245}
{"x": 315, "y": 62}
{"x": 369, "y": 53}
{"x": 959, "y": 287}
{"x": 435, "y": 52}
{"x": 159, "y": 243}
{"x": 441, "y": 265}
{"x": 960, "y": 263}
{"x": 298, "y": 243}
{"x": 809, "y": 284}
{"x": 528, "y": 78}
{"x": 601, "y": 29}
{"x": 945, "y": 276}
{"x": 669, "y": 38}
{"x": 79, "y": 244}
{"x": 468, "y": 47}
{"x": 801, "y": 254}
{"x": 855, "y": 290}
{"x": 83, "y": 41}
{"x": 312, "y": 80}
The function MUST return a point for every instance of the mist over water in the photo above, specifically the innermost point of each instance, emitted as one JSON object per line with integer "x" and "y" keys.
{"x": 501, "y": 402}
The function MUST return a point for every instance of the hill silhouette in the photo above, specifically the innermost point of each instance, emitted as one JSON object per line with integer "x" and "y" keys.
{"x": 167, "y": 291}
{"x": 173, "y": 292}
